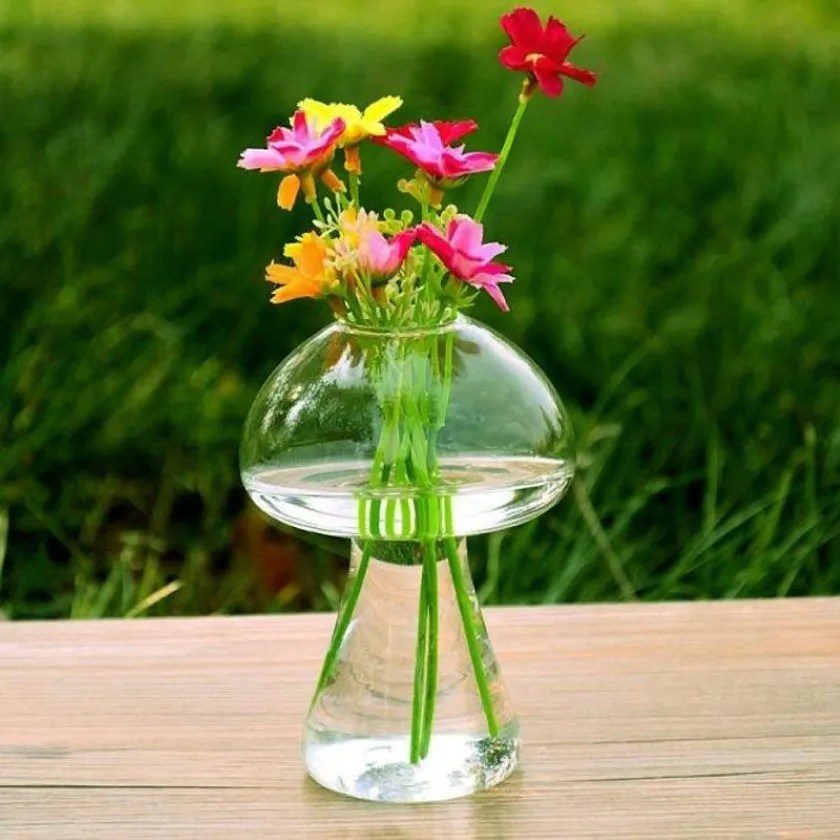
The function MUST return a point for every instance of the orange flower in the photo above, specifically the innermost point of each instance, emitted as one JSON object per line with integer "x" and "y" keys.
{"x": 310, "y": 276}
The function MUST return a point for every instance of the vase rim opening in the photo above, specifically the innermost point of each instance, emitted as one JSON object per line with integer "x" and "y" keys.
{"x": 446, "y": 324}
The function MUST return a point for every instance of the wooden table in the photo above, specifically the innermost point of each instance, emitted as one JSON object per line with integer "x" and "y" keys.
{"x": 702, "y": 720}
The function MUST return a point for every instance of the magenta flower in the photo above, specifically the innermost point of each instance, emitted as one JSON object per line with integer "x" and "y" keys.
{"x": 297, "y": 149}
{"x": 467, "y": 257}
{"x": 450, "y": 131}
{"x": 383, "y": 257}
{"x": 427, "y": 147}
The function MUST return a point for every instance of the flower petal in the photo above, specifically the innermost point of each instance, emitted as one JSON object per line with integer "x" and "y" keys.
{"x": 489, "y": 251}
{"x": 281, "y": 274}
{"x": 557, "y": 40}
{"x": 438, "y": 244}
{"x": 585, "y": 77}
{"x": 403, "y": 241}
{"x": 318, "y": 111}
{"x": 264, "y": 159}
{"x": 451, "y": 131}
{"x": 300, "y": 288}
{"x": 287, "y": 192}
{"x": 523, "y": 27}
{"x": 514, "y": 57}
{"x": 548, "y": 79}
{"x": 312, "y": 254}
{"x": 465, "y": 234}
{"x": 496, "y": 293}
{"x": 499, "y": 271}
{"x": 430, "y": 135}
{"x": 280, "y": 134}
{"x": 455, "y": 164}
{"x": 419, "y": 154}
{"x": 377, "y": 111}
{"x": 333, "y": 131}
{"x": 299, "y": 123}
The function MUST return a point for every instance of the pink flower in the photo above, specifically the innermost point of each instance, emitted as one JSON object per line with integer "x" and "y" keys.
{"x": 360, "y": 245}
{"x": 296, "y": 149}
{"x": 427, "y": 147}
{"x": 541, "y": 51}
{"x": 466, "y": 257}
{"x": 383, "y": 257}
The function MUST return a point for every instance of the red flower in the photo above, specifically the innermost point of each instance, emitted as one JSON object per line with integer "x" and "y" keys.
{"x": 427, "y": 147}
{"x": 541, "y": 51}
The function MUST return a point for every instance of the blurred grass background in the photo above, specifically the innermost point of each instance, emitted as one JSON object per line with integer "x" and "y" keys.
{"x": 676, "y": 238}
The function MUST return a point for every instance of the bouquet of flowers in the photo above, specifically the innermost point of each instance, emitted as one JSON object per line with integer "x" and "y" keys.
{"x": 405, "y": 273}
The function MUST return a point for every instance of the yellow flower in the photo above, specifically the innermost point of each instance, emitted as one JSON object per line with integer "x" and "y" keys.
{"x": 358, "y": 124}
{"x": 310, "y": 276}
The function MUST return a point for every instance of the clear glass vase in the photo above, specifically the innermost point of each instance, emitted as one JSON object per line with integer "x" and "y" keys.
{"x": 407, "y": 442}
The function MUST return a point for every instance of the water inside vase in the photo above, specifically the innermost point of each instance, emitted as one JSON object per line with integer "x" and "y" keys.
{"x": 357, "y": 739}
{"x": 484, "y": 493}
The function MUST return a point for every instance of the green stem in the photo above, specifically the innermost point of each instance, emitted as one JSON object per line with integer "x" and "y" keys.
{"x": 377, "y": 506}
{"x": 471, "y": 633}
{"x": 342, "y": 623}
{"x": 342, "y": 200}
{"x": 386, "y": 459}
{"x": 354, "y": 188}
{"x": 448, "y": 517}
{"x": 417, "y": 718}
{"x": 413, "y": 403}
{"x": 424, "y": 207}
{"x": 503, "y": 156}
{"x": 316, "y": 209}
{"x": 431, "y": 582}
{"x": 447, "y": 376}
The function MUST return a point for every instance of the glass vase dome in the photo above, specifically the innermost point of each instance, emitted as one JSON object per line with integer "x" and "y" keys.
{"x": 505, "y": 447}
{"x": 406, "y": 442}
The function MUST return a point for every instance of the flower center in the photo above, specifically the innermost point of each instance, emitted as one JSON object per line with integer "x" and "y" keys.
{"x": 534, "y": 57}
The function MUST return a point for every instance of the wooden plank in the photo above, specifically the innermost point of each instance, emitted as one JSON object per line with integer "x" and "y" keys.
{"x": 641, "y": 721}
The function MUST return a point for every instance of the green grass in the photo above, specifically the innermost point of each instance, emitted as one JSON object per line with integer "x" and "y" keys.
{"x": 676, "y": 238}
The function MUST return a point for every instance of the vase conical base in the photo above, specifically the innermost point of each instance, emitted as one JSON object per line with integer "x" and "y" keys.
{"x": 361, "y": 734}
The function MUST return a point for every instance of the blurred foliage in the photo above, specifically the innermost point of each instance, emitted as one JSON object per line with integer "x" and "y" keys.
{"x": 675, "y": 233}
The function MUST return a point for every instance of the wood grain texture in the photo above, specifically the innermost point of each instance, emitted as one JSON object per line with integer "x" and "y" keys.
{"x": 702, "y": 720}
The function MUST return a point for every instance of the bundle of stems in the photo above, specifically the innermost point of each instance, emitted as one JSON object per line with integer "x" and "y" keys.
{"x": 406, "y": 514}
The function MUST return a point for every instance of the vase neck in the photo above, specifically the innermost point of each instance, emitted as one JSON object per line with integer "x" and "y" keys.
{"x": 406, "y": 553}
